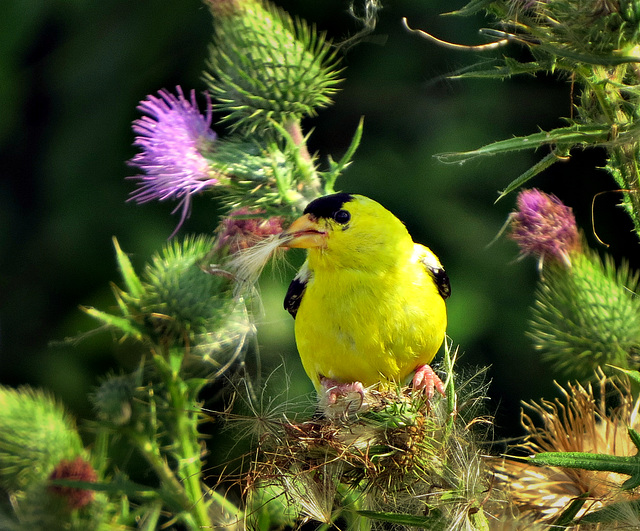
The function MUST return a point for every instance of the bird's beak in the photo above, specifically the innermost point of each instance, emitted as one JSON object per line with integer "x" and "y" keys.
{"x": 304, "y": 233}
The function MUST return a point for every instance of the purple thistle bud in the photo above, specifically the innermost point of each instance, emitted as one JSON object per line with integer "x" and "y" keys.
{"x": 245, "y": 227}
{"x": 172, "y": 139}
{"x": 76, "y": 470}
{"x": 544, "y": 227}
{"x": 222, "y": 8}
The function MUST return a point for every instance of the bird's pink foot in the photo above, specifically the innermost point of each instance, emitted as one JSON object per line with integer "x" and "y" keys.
{"x": 335, "y": 390}
{"x": 428, "y": 381}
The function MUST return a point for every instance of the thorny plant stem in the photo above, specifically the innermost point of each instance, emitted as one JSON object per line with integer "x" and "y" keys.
{"x": 304, "y": 161}
{"x": 186, "y": 449}
{"x": 151, "y": 452}
{"x": 623, "y": 157}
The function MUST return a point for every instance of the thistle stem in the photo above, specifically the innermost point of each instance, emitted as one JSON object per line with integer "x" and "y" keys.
{"x": 623, "y": 157}
{"x": 152, "y": 453}
{"x": 304, "y": 161}
{"x": 186, "y": 448}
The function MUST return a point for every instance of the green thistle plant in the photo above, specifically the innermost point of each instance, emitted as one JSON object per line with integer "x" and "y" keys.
{"x": 39, "y": 444}
{"x": 264, "y": 67}
{"x": 266, "y": 72}
{"x": 393, "y": 458}
{"x": 596, "y": 45}
{"x": 586, "y": 315}
{"x": 180, "y": 302}
{"x": 35, "y": 435}
{"x": 582, "y": 457}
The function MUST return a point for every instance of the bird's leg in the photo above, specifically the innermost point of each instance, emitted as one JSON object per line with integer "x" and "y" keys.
{"x": 334, "y": 389}
{"x": 428, "y": 381}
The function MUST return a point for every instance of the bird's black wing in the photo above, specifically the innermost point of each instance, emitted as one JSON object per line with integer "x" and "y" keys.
{"x": 442, "y": 281}
{"x": 296, "y": 290}
{"x": 435, "y": 269}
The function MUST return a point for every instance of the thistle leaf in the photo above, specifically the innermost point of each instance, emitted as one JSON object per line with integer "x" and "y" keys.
{"x": 602, "y": 462}
{"x": 510, "y": 68}
{"x": 566, "y": 137}
{"x": 129, "y": 276}
{"x": 537, "y": 168}
{"x": 434, "y": 522}
{"x": 114, "y": 321}
{"x": 336, "y": 168}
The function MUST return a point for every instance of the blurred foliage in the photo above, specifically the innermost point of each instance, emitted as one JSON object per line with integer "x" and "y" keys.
{"x": 72, "y": 74}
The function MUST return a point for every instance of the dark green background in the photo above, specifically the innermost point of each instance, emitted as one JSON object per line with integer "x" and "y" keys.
{"x": 71, "y": 75}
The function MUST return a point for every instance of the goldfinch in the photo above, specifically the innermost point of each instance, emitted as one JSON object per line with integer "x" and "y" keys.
{"x": 368, "y": 303}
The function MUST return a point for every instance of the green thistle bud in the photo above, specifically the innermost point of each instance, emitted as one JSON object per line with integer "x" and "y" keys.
{"x": 181, "y": 299}
{"x": 265, "y": 66}
{"x": 35, "y": 435}
{"x": 587, "y": 316}
{"x": 187, "y": 303}
{"x": 113, "y": 399}
{"x": 586, "y": 313}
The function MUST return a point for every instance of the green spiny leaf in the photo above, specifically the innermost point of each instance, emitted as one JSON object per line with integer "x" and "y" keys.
{"x": 434, "y": 522}
{"x": 566, "y": 137}
{"x": 124, "y": 325}
{"x": 589, "y": 58}
{"x": 336, "y": 168}
{"x": 505, "y": 70}
{"x": 537, "y": 168}
{"x": 471, "y": 8}
{"x": 131, "y": 280}
{"x": 601, "y": 462}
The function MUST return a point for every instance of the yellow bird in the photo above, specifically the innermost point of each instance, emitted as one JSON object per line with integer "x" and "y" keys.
{"x": 368, "y": 302}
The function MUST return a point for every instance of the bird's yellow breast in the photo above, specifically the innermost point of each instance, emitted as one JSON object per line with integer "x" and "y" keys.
{"x": 371, "y": 325}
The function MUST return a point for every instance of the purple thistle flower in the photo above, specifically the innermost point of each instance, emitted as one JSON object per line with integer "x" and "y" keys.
{"x": 172, "y": 139}
{"x": 545, "y": 227}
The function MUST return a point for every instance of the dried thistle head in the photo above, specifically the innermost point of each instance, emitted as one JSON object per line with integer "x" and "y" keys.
{"x": 400, "y": 454}
{"x": 583, "y": 421}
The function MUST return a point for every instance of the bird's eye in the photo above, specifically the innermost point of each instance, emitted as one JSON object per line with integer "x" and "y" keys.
{"x": 342, "y": 216}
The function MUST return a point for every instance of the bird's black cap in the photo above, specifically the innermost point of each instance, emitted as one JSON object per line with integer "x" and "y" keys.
{"x": 327, "y": 206}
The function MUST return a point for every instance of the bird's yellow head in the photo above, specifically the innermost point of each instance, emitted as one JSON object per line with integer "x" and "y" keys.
{"x": 349, "y": 231}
